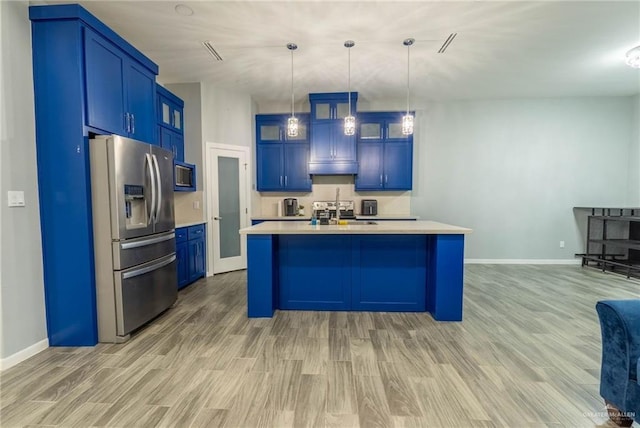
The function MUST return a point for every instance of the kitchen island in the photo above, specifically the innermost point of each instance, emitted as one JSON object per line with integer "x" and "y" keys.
{"x": 406, "y": 266}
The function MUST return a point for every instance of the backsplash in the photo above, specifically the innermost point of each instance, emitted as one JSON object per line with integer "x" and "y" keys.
{"x": 324, "y": 189}
{"x": 188, "y": 207}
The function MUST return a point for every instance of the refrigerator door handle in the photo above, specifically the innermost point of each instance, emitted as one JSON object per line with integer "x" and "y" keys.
{"x": 148, "y": 269}
{"x": 152, "y": 176}
{"x": 159, "y": 181}
{"x": 144, "y": 243}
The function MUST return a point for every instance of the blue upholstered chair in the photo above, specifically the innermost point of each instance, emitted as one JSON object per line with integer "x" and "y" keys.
{"x": 619, "y": 384}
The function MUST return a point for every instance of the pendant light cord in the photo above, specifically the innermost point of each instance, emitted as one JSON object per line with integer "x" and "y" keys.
{"x": 292, "y": 115}
{"x": 349, "y": 81}
{"x": 408, "y": 59}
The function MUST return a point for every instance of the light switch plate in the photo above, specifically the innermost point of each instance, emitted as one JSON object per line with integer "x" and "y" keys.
{"x": 16, "y": 198}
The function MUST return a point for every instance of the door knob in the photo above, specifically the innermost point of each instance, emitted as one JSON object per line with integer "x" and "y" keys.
{"x": 217, "y": 218}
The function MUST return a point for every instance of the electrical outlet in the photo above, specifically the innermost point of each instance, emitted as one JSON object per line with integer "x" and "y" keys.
{"x": 15, "y": 198}
{"x": 561, "y": 244}
{"x": 196, "y": 205}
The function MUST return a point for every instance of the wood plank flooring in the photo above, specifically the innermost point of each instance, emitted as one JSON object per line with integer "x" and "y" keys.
{"x": 526, "y": 355}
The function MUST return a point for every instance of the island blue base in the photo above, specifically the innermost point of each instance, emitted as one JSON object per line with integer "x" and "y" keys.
{"x": 391, "y": 273}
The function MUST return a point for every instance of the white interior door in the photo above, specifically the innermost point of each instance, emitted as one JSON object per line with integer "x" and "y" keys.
{"x": 227, "y": 169}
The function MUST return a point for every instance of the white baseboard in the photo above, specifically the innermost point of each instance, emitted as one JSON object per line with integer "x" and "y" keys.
{"x": 522, "y": 261}
{"x": 20, "y": 356}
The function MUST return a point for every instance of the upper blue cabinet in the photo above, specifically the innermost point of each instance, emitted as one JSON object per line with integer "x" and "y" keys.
{"x": 332, "y": 152}
{"x": 385, "y": 155}
{"x": 125, "y": 106}
{"x": 281, "y": 160}
{"x": 170, "y": 122}
{"x": 119, "y": 80}
{"x": 170, "y": 110}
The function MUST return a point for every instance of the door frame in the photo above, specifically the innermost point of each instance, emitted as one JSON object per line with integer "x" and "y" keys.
{"x": 211, "y": 196}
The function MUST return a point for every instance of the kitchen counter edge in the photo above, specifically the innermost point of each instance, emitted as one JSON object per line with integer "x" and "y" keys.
{"x": 402, "y": 227}
{"x": 194, "y": 223}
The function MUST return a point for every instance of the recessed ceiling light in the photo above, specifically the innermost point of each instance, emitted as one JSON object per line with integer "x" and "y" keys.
{"x": 184, "y": 10}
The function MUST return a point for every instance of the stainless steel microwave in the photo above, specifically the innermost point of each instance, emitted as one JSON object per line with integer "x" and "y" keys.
{"x": 185, "y": 177}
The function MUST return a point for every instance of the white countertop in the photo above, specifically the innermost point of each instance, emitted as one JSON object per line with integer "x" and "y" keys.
{"x": 421, "y": 227}
{"x": 189, "y": 224}
{"x": 281, "y": 218}
{"x": 387, "y": 217}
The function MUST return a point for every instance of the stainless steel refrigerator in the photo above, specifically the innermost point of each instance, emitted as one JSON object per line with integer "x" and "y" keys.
{"x": 133, "y": 233}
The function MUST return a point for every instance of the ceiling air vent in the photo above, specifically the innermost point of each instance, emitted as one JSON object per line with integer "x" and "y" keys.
{"x": 447, "y": 42}
{"x": 207, "y": 44}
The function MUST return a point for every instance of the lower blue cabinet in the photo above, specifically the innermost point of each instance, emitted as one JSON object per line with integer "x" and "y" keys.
{"x": 190, "y": 254}
{"x": 182, "y": 256}
{"x": 352, "y": 272}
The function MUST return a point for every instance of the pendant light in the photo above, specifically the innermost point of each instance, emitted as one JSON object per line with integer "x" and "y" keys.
{"x": 292, "y": 122}
{"x": 349, "y": 120}
{"x": 407, "y": 120}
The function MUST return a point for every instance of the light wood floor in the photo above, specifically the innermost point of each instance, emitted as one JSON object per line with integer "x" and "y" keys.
{"x": 526, "y": 355}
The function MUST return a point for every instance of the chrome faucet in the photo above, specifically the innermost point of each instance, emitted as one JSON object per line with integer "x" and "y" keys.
{"x": 337, "y": 205}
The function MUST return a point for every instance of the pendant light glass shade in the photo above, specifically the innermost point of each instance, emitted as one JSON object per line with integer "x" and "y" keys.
{"x": 407, "y": 124}
{"x": 292, "y": 122}
{"x": 633, "y": 57}
{"x": 349, "y": 120}
{"x": 407, "y": 120}
{"x": 292, "y": 127}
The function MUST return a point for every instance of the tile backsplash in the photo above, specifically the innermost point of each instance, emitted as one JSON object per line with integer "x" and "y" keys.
{"x": 324, "y": 189}
{"x": 188, "y": 207}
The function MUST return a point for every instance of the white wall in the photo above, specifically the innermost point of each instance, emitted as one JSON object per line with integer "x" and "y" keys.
{"x": 226, "y": 116}
{"x": 634, "y": 155}
{"x": 22, "y": 310}
{"x": 513, "y": 169}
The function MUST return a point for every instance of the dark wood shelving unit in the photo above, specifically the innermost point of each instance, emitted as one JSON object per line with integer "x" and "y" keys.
{"x": 613, "y": 240}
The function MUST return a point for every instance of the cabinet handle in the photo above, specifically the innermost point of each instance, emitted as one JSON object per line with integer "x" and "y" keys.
{"x": 386, "y": 179}
{"x": 133, "y": 123}
{"x": 285, "y": 181}
{"x": 380, "y": 179}
{"x": 280, "y": 181}
{"x": 127, "y": 122}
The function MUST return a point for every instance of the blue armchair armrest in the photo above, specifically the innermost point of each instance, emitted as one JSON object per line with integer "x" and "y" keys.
{"x": 620, "y": 326}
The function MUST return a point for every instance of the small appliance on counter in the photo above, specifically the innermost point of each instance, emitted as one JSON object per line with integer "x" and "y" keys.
{"x": 322, "y": 207}
{"x": 369, "y": 207}
{"x": 290, "y": 207}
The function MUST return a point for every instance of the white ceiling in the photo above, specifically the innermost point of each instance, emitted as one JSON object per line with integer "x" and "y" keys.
{"x": 502, "y": 49}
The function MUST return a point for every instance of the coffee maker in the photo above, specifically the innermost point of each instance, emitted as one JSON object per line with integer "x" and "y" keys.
{"x": 290, "y": 207}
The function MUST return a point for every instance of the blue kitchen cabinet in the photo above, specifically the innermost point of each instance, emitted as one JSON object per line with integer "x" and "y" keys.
{"x": 170, "y": 121}
{"x": 126, "y": 105}
{"x": 86, "y": 77}
{"x": 367, "y": 272}
{"x": 385, "y": 155}
{"x": 170, "y": 110}
{"x": 196, "y": 259}
{"x": 182, "y": 257}
{"x": 172, "y": 141}
{"x": 197, "y": 253}
{"x": 282, "y": 161}
{"x": 270, "y": 165}
{"x": 191, "y": 254}
{"x": 332, "y": 152}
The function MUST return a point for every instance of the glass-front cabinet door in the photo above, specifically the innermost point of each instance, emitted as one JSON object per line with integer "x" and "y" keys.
{"x": 323, "y": 111}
